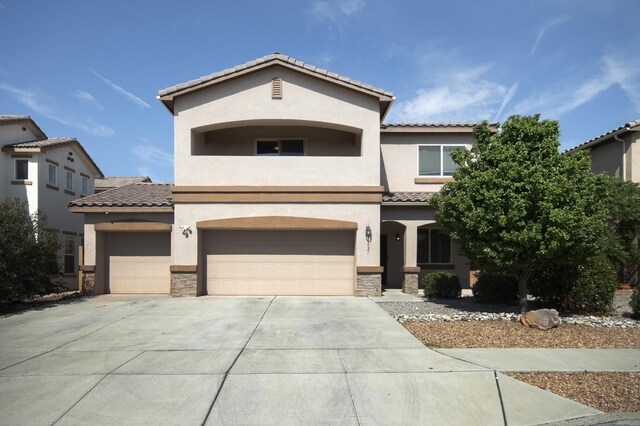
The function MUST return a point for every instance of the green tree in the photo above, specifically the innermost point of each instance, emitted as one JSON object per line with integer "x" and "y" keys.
{"x": 28, "y": 253}
{"x": 517, "y": 204}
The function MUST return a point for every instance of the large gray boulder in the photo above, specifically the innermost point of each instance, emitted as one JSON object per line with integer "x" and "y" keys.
{"x": 542, "y": 319}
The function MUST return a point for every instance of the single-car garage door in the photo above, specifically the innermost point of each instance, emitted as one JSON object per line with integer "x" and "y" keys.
{"x": 138, "y": 262}
{"x": 279, "y": 262}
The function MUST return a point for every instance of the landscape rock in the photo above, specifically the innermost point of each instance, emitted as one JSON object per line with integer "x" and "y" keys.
{"x": 542, "y": 319}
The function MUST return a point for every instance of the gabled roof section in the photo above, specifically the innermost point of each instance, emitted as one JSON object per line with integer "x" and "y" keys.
{"x": 166, "y": 96}
{"x": 45, "y": 144}
{"x": 11, "y": 119}
{"x": 110, "y": 182}
{"x": 632, "y": 126}
{"x": 136, "y": 195}
{"x": 433, "y": 127}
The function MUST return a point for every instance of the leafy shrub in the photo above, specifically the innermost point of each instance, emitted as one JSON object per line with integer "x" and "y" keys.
{"x": 635, "y": 303}
{"x": 587, "y": 288}
{"x": 495, "y": 288}
{"x": 441, "y": 284}
{"x": 28, "y": 253}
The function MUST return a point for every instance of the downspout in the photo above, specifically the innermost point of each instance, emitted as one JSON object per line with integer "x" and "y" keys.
{"x": 624, "y": 155}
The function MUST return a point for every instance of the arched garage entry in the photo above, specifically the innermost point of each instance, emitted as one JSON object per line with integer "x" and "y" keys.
{"x": 278, "y": 255}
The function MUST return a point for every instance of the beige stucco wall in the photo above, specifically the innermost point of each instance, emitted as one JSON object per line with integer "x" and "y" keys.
{"x": 608, "y": 158}
{"x": 13, "y": 133}
{"x": 28, "y": 193}
{"x": 305, "y": 100}
{"x": 185, "y": 250}
{"x": 399, "y": 166}
{"x": 633, "y": 157}
{"x": 412, "y": 218}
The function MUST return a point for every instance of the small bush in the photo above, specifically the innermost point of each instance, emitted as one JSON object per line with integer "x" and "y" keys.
{"x": 587, "y": 288}
{"x": 441, "y": 284}
{"x": 495, "y": 288}
{"x": 635, "y": 303}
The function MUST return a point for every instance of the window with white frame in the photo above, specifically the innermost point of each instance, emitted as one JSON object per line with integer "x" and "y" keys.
{"x": 53, "y": 174}
{"x": 280, "y": 147}
{"x": 69, "y": 255}
{"x": 434, "y": 246}
{"x": 69, "y": 180}
{"x": 435, "y": 160}
{"x": 21, "y": 169}
{"x": 84, "y": 189}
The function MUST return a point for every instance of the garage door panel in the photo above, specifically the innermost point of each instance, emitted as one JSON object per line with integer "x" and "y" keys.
{"x": 280, "y": 262}
{"x": 139, "y": 263}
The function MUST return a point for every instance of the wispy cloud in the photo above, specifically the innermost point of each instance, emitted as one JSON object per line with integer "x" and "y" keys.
{"x": 505, "y": 101}
{"x": 335, "y": 12}
{"x": 615, "y": 70}
{"x": 42, "y": 104}
{"x": 87, "y": 97}
{"x": 550, "y": 23}
{"x": 154, "y": 162}
{"x": 133, "y": 98}
{"x": 453, "y": 91}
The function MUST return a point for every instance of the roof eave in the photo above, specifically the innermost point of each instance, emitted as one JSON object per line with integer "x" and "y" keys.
{"x": 120, "y": 209}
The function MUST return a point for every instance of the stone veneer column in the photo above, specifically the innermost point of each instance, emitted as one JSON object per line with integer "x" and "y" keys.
{"x": 184, "y": 280}
{"x": 410, "y": 279}
{"x": 88, "y": 280}
{"x": 369, "y": 280}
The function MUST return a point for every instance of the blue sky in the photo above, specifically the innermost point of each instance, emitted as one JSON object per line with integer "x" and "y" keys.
{"x": 92, "y": 69}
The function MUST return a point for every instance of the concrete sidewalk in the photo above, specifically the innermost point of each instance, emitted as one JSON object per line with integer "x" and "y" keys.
{"x": 246, "y": 360}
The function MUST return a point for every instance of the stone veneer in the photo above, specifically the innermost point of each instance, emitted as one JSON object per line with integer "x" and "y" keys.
{"x": 184, "y": 284}
{"x": 369, "y": 283}
{"x": 410, "y": 279}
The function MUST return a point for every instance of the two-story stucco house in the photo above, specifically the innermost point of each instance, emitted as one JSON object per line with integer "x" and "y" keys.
{"x": 286, "y": 182}
{"x": 47, "y": 173}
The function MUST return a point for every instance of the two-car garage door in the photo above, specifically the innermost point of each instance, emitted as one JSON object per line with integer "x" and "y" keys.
{"x": 138, "y": 262}
{"x": 261, "y": 262}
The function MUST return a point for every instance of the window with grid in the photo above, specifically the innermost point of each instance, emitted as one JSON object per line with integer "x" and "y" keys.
{"x": 435, "y": 160}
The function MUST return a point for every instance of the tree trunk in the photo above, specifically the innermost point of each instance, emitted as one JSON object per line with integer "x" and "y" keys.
{"x": 523, "y": 279}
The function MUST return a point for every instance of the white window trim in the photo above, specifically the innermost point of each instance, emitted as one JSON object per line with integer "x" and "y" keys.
{"x": 256, "y": 140}
{"x": 441, "y": 145}
{"x": 55, "y": 183}
{"x": 15, "y": 168}
{"x": 429, "y": 229}
{"x": 82, "y": 186}
{"x": 67, "y": 172}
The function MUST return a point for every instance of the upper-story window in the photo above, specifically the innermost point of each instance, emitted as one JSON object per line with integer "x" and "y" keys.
{"x": 84, "y": 189}
{"x": 21, "y": 169}
{"x": 435, "y": 160}
{"x": 69, "y": 180}
{"x": 53, "y": 174}
{"x": 280, "y": 147}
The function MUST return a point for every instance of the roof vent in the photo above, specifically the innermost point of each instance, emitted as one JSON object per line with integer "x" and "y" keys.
{"x": 276, "y": 88}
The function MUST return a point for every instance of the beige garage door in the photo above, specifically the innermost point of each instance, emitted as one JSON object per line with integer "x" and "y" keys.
{"x": 280, "y": 262}
{"x": 138, "y": 262}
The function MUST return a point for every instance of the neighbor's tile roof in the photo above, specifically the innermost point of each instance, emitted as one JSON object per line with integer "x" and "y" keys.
{"x": 12, "y": 118}
{"x": 436, "y": 124}
{"x": 276, "y": 57}
{"x": 134, "y": 195}
{"x": 44, "y": 143}
{"x": 591, "y": 142}
{"x": 117, "y": 181}
{"x": 406, "y": 197}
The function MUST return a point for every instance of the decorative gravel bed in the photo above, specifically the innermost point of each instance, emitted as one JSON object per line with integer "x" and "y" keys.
{"x": 608, "y": 392}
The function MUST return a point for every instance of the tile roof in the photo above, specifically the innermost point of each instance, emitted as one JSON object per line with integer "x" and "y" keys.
{"x": 406, "y": 197}
{"x": 13, "y": 118}
{"x": 44, "y": 143}
{"x": 436, "y": 124}
{"x": 276, "y": 57}
{"x": 594, "y": 141}
{"x": 117, "y": 181}
{"x": 134, "y": 195}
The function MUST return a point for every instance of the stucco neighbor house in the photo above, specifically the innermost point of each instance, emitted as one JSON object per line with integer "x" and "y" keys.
{"x": 286, "y": 182}
{"x": 47, "y": 173}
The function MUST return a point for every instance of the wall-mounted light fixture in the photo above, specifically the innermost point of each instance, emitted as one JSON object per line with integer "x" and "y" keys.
{"x": 368, "y": 236}
{"x": 397, "y": 237}
{"x": 186, "y": 230}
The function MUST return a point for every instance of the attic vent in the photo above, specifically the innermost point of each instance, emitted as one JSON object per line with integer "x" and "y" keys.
{"x": 276, "y": 88}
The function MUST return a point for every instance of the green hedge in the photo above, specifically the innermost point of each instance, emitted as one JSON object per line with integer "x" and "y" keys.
{"x": 441, "y": 285}
{"x": 495, "y": 288}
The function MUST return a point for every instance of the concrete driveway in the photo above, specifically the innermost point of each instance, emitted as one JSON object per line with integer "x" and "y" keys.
{"x": 245, "y": 360}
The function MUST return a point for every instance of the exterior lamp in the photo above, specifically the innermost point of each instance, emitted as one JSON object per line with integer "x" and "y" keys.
{"x": 368, "y": 236}
{"x": 397, "y": 237}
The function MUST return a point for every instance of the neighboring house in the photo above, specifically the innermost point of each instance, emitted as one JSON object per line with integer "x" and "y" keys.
{"x": 111, "y": 182}
{"x": 286, "y": 182}
{"x": 47, "y": 173}
{"x": 616, "y": 152}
